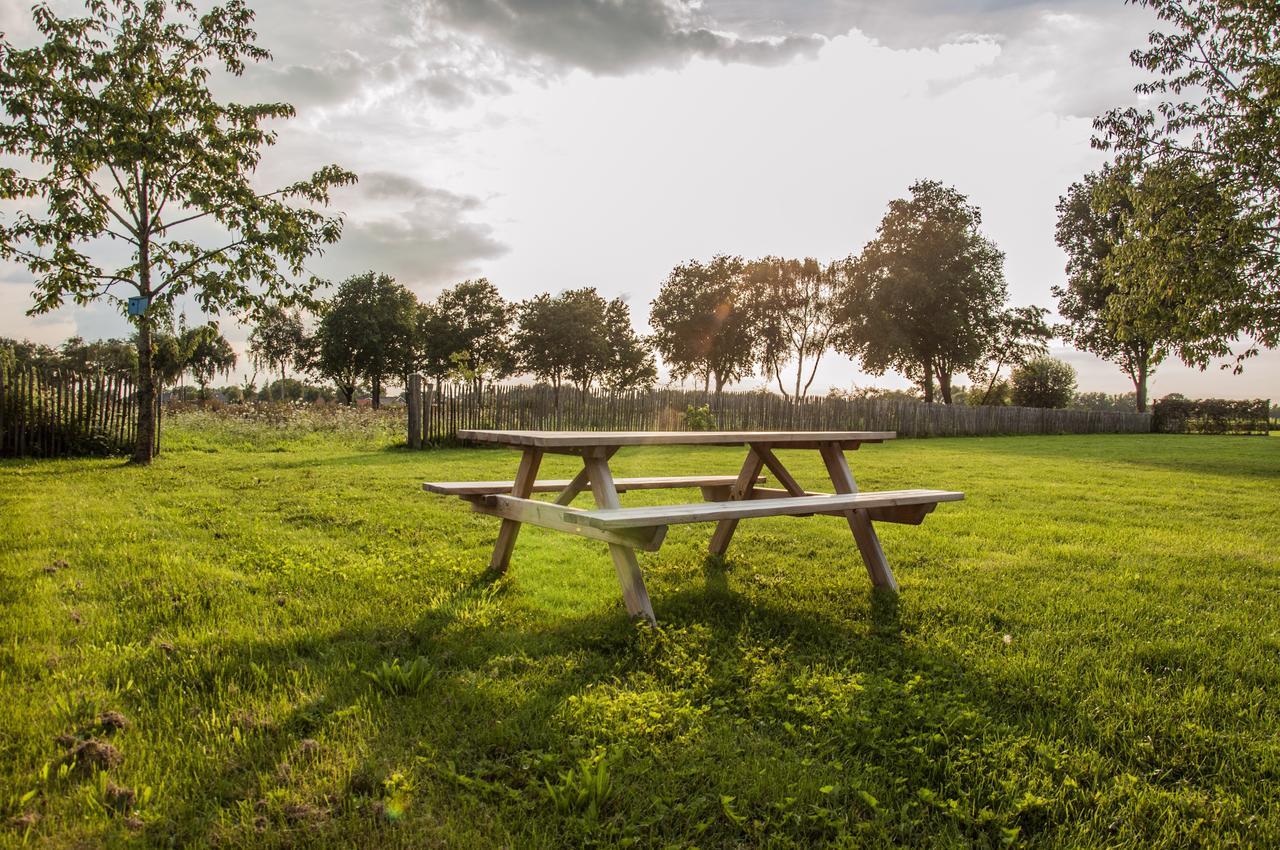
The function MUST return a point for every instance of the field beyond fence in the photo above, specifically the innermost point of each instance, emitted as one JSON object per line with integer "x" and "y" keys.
{"x": 437, "y": 413}
{"x": 55, "y": 412}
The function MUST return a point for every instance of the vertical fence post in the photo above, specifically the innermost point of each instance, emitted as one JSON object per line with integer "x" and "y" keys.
{"x": 415, "y": 411}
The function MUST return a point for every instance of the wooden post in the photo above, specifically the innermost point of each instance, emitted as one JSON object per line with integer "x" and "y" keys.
{"x": 634, "y": 594}
{"x": 415, "y": 411}
{"x": 525, "y": 478}
{"x": 859, "y": 522}
{"x": 741, "y": 490}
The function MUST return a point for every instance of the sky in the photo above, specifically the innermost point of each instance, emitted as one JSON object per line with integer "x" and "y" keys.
{"x": 551, "y": 144}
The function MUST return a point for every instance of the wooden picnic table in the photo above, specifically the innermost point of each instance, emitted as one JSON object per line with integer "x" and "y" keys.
{"x": 726, "y": 498}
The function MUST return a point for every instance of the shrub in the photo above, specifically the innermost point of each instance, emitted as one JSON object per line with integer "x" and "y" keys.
{"x": 1178, "y": 415}
{"x": 1044, "y": 382}
{"x": 699, "y": 418}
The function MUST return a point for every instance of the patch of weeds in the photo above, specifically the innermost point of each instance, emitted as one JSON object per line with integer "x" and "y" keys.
{"x": 585, "y": 789}
{"x": 402, "y": 679}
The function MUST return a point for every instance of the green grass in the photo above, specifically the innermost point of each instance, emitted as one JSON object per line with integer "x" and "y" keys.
{"x": 1085, "y": 653}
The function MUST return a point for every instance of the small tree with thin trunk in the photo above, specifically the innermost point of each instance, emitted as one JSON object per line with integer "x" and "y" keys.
{"x": 118, "y": 139}
{"x": 277, "y": 340}
{"x": 794, "y": 315}
{"x": 208, "y": 354}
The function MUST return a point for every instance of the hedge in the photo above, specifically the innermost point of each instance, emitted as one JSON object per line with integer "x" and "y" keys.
{"x": 1211, "y": 416}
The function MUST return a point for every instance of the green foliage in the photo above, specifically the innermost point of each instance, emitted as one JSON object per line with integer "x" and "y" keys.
{"x": 1044, "y": 382}
{"x": 402, "y": 680}
{"x": 467, "y": 334}
{"x": 925, "y": 297}
{"x": 366, "y": 332}
{"x": 1177, "y": 415}
{"x": 117, "y": 138}
{"x": 579, "y": 336}
{"x": 229, "y": 596}
{"x": 1212, "y": 113}
{"x": 584, "y": 790}
{"x": 793, "y": 309}
{"x": 278, "y": 340}
{"x": 206, "y": 353}
{"x": 703, "y": 321}
{"x": 1118, "y": 402}
{"x": 699, "y": 418}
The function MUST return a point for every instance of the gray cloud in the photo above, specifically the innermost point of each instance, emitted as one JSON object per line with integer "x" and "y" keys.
{"x": 428, "y": 238}
{"x": 609, "y": 37}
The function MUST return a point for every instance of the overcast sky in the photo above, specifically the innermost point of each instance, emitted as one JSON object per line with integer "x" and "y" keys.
{"x": 548, "y": 144}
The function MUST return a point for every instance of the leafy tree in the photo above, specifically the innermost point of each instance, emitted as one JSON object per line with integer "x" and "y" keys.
{"x": 629, "y": 363}
{"x": 476, "y": 321}
{"x": 794, "y": 315}
{"x": 1044, "y": 382}
{"x": 1020, "y": 334}
{"x": 434, "y": 344}
{"x": 277, "y": 339}
{"x": 1214, "y": 73}
{"x": 703, "y": 323}
{"x": 208, "y": 353}
{"x": 366, "y": 331}
{"x": 107, "y": 355}
{"x": 1093, "y": 218}
{"x": 926, "y": 296}
{"x": 118, "y": 139}
{"x": 579, "y": 336}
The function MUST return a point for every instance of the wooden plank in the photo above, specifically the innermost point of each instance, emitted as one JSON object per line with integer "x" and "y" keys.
{"x": 522, "y": 487}
{"x": 634, "y": 594}
{"x": 483, "y": 488}
{"x": 554, "y": 516}
{"x": 742, "y": 487}
{"x": 754, "y": 508}
{"x": 581, "y": 482}
{"x": 864, "y": 534}
{"x": 591, "y": 439}
{"x": 780, "y": 472}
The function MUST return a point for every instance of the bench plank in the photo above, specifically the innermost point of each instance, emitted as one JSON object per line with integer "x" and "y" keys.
{"x": 716, "y": 511}
{"x": 493, "y": 488}
{"x": 549, "y": 515}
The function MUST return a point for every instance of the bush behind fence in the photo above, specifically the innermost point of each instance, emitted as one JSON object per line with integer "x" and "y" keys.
{"x": 1212, "y": 416}
{"x": 51, "y": 412}
{"x": 440, "y": 412}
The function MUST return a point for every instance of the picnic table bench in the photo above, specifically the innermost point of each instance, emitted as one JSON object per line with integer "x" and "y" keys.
{"x": 726, "y": 498}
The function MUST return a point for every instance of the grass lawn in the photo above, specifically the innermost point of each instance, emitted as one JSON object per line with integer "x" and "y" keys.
{"x": 1085, "y": 653}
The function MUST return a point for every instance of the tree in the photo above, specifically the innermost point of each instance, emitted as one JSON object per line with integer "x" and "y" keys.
{"x": 476, "y": 320}
{"x": 925, "y": 297}
{"x": 794, "y": 315}
{"x": 1214, "y": 79}
{"x": 1020, "y": 334}
{"x": 1044, "y": 382}
{"x": 579, "y": 336}
{"x": 366, "y": 331}
{"x": 434, "y": 344}
{"x": 108, "y": 355}
{"x": 629, "y": 363}
{"x": 118, "y": 139}
{"x": 703, "y": 324}
{"x": 1093, "y": 218}
{"x": 208, "y": 353}
{"x": 277, "y": 339}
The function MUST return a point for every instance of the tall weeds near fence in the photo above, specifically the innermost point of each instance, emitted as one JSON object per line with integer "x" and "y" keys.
{"x": 52, "y": 412}
{"x": 436, "y": 414}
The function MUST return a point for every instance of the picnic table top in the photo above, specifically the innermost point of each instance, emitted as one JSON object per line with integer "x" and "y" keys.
{"x": 584, "y": 439}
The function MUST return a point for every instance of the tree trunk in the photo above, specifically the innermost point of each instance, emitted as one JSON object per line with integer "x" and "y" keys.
{"x": 928, "y": 382}
{"x": 377, "y": 393}
{"x": 1140, "y": 386}
{"x": 144, "y": 447}
{"x": 348, "y": 392}
{"x": 944, "y": 386}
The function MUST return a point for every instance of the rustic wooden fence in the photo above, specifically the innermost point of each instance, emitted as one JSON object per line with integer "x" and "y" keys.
{"x": 49, "y": 412}
{"x": 436, "y": 414}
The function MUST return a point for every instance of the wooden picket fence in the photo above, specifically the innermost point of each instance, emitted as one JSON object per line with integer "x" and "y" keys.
{"x": 49, "y": 412}
{"x": 436, "y": 414}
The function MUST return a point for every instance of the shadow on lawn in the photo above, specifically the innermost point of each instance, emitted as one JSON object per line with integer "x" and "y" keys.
{"x": 501, "y": 693}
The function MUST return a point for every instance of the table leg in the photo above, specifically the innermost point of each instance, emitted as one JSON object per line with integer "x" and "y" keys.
{"x": 859, "y": 523}
{"x": 741, "y": 490}
{"x": 634, "y": 594}
{"x": 525, "y": 478}
{"x": 580, "y": 482}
